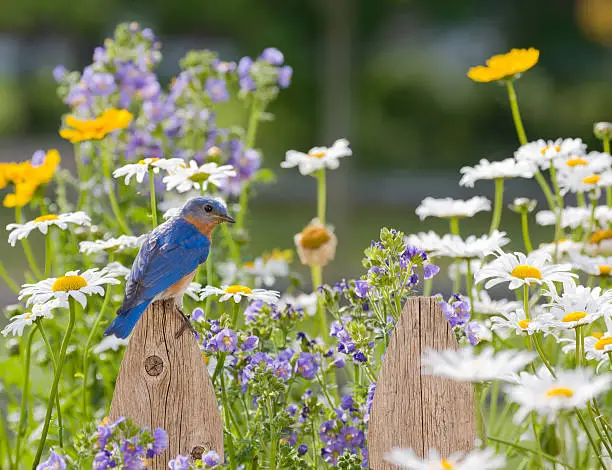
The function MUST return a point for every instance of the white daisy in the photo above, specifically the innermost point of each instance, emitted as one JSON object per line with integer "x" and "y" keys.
{"x": 265, "y": 272}
{"x": 596, "y": 346}
{"x": 548, "y": 396}
{"x": 448, "y": 207}
{"x": 317, "y": 158}
{"x": 578, "y": 305}
{"x": 141, "y": 169}
{"x": 468, "y": 366}
{"x": 308, "y": 302}
{"x": 193, "y": 290}
{"x": 426, "y": 241}
{"x": 75, "y": 285}
{"x": 485, "y": 170}
{"x": 237, "y": 292}
{"x": 599, "y": 243}
{"x": 582, "y": 180}
{"x": 19, "y": 322}
{"x": 519, "y": 270}
{"x": 198, "y": 177}
{"x": 116, "y": 269}
{"x": 42, "y": 223}
{"x": 110, "y": 343}
{"x": 541, "y": 152}
{"x": 597, "y": 162}
{"x": 564, "y": 248}
{"x": 603, "y": 214}
{"x": 517, "y": 323}
{"x": 119, "y": 244}
{"x": 571, "y": 217}
{"x": 485, "y": 305}
{"x": 481, "y": 459}
{"x": 453, "y": 246}
{"x": 592, "y": 265}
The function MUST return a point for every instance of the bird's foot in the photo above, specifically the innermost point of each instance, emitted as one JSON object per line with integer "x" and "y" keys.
{"x": 186, "y": 324}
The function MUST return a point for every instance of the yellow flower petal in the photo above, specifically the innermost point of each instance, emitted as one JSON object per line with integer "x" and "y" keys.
{"x": 504, "y": 66}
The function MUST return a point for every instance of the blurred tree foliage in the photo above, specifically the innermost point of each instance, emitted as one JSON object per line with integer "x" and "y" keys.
{"x": 412, "y": 107}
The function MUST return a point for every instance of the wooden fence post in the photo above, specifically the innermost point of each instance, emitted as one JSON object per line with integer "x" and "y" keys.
{"x": 163, "y": 382}
{"x": 417, "y": 411}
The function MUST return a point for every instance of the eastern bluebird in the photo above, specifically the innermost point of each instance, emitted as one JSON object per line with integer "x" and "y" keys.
{"x": 168, "y": 259}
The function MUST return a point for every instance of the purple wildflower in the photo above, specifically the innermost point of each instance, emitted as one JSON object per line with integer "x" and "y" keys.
{"x": 226, "y": 340}
{"x": 211, "y": 459}
{"x": 361, "y": 289}
{"x": 273, "y": 56}
{"x": 284, "y": 76}
{"x": 59, "y": 73}
{"x": 250, "y": 343}
{"x": 38, "y": 158}
{"x": 54, "y": 462}
{"x": 306, "y": 365}
{"x": 160, "y": 443}
{"x": 430, "y": 270}
{"x": 103, "y": 460}
{"x": 302, "y": 449}
{"x": 197, "y": 315}
{"x": 347, "y": 402}
{"x": 180, "y": 462}
{"x": 353, "y": 436}
{"x": 282, "y": 369}
{"x": 215, "y": 87}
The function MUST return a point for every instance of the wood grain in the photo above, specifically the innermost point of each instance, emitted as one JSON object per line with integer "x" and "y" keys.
{"x": 163, "y": 382}
{"x": 416, "y": 411}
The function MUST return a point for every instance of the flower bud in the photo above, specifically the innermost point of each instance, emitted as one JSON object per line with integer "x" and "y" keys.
{"x": 602, "y": 130}
{"x": 523, "y": 204}
{"x": 316, "y": 245}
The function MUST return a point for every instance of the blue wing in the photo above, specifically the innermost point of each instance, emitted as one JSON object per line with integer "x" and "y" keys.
{"x": 170, "y": 252}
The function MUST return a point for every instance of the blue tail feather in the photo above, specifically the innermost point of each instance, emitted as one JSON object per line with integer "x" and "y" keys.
{"x": 125, "y": 322}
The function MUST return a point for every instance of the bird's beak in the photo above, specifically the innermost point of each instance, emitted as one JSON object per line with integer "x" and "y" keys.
{"x": 226, "y": 218}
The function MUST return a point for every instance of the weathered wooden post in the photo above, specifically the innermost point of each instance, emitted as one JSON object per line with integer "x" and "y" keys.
{"x": 417, "y": 411}
{"x": 163, "y": 382}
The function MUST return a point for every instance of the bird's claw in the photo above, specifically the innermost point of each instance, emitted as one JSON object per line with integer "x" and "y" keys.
{"x": 186, "y": 324}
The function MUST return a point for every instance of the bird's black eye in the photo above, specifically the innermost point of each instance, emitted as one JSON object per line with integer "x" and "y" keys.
{"x": 208, "y": 208}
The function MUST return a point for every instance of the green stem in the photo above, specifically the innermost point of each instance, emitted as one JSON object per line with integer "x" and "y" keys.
{"x": 81, "y": 176}
{"x": 545, "y": 189}
{"x": 525, "y": 228}
{"x": 521, "y": 448}
{"x": 58, "y": 406}
{"x": 317, "y": 280}
{"x": 25, "y": 396}
{"x": 516, "y": 114}
{"x": 591, "y": 221}
{"x": 152, "y": 197}
{"x": 468, "y": 286}
{"x": 480, "y": 421}
{"x": 454, "y": 229}
{"x": 498, "y": 205}
{"x": 56, "y": 379}
{"x": 321, "y": 195}
{"x": 226, "y": 411}
{"x": 274, "y": 439}
{"x": 596, "y": 448}
{"x": 4, "y": 438}
{"x": 526, "y": 300}
{"x": 86, "y": 351}
{"x": 7, "y": 279}
{"x": 454, "y": 225}
{"x": 111, "y": 192}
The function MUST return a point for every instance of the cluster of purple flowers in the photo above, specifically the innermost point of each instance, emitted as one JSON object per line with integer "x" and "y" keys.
{"x": 259, "y": 312}
{"x": 181, "y": 121}
{"x": 183, "y": 462}
{"x": 346, "y": 344}
{"x": 343, "y": 433}
{"x": 130, "y": 452}
{"x": 456, "y": 310}
{"x": 414, "y": 257}
{"x": 226, "y": 340}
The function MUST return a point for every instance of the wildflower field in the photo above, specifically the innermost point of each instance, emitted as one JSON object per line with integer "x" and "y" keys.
{"x": 294, "y": 372}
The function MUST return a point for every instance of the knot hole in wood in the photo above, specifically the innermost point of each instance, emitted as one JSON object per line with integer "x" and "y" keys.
{"x": 197, "y": 452}
{"x": 154, "y": 365}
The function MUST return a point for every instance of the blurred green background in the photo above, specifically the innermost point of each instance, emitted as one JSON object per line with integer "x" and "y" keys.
{"x": 389, "y": 75}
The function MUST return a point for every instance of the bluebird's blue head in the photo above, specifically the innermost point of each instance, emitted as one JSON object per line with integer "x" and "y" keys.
{"x": 206, "y": 210}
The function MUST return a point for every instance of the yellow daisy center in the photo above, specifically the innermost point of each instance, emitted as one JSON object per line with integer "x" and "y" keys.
{"x": 593, "y": 179}
{"x": 28, "y": 315}
{"x": 574, "y": 316}
{"x": 446, "y": 465}
{"x": 46, "y": 218}
{"x": 314, "y": 237}
{"x": 560, "y": 392}
{"x": 604, "y": 269}
{"x": 602, "y": 343}
{"x": 199, "y": 177}
{"x": 68, "y": 283}
{"x": 600, "y": 236}
{"x": 597, "y": 334}
{"x": 317, "y": 154}
{"x": 572, "y": 162}
{"x": 524, "y": 323}
{"x": 249, "y": 264}
{"x": 151, "y": 160}
{"x": 524, "y": 271}
{"x": 236, "y": 289}
{"x": 227, "y": 341}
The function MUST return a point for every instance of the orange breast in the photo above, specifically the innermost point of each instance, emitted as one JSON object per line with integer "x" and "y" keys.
{"x": 204, "y": 228}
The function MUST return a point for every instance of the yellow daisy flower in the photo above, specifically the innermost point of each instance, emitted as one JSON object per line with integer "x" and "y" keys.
{"x": 94, "y": 129}
{"x": 504, "y": 66}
